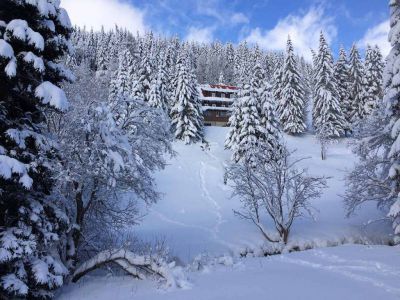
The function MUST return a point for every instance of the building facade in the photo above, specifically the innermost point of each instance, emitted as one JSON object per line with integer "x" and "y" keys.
{"x": 217, "y": 101}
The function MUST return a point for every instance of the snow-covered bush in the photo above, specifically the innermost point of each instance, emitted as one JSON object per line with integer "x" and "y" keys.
{"x": 369, "y": 181}
{"x": 274, "y": 189}
{"x": 109, "y": 150}
{"x": 376, "y": 176}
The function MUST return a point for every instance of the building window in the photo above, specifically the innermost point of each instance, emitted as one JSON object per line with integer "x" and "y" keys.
{"x": 228, "y": 96}
{"x": 222, "y": 95}
{"x": 213, "y": 95}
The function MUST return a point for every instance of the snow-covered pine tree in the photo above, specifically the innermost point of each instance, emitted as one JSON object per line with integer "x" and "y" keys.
{"x": 121, "y": 86}
{"x": 144, "y": 76}
{"x": 327, "y": 113}
{"x": 90, "y": 51}
{"x": 342, "y": 76}
{"x": 253, "y": 123}
{"x": 158, "y": 97}
{"x": 102, "y": 52}
{"x": 249, "y": 126}
{"x": 392, "y": 100}
{"x": 229, "y": 64}
{"x": 277, "y": 86}
{"x": 242, "y": 62}
{"x": 33, "y": 38}
{"x": 268, "y": 132}
{"x": 372, "y": 78}
{"x": 291, "y": 102}
{"x": 186, "y": 112}
{"x": 370, "y": 85}
{"x": 357, "y": 91}
{"x": 121, "y": 83}
{"x": 234, "y": 123}
{"x": 313, "y": 81}
{"x": 236, "y": 118}
{"x": 155, "y": 92}
{"x": 114, "y": 44}
{"x": 379, "y": 67}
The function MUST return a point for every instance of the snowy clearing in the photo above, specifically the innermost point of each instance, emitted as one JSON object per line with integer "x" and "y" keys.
{"x": 196, "y": 212}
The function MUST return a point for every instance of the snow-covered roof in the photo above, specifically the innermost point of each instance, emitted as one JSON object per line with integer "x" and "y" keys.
{"x": 219, "y": 108}
{"x": 219, "y": 88}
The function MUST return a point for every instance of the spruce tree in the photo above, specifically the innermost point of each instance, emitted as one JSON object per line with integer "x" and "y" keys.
{"x": 249, "y": 125}
{"x": 144, "y": 77}
{"x": 155, "y": 96}
{"x": 392, "y": 101}
{"x": 327, "y": 113}
{"x": 159, "y": 89}
{"x": 268, "y": 132}
{"x": 234, "y": 123}
{"x": 342, "y": 76}
{"x": 33, "y": 38}
{"x": 102, "y": 61}
{"x": 379, "y": 68}
{"x": 291, "y": 102}
{"x": 186, "y": 112}
{"x": 121, "y": 87}
{"x": 357, "y": 91}
{"x": 236, "y": 118}
{"x": 253, "y": 123}
{"x": 277, "y": 86}
{"x": 373, "y": 78}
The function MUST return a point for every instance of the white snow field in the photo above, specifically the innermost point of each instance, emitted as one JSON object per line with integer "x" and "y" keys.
{"x": 195, "y": 216}
{"x": 344, "y": 272}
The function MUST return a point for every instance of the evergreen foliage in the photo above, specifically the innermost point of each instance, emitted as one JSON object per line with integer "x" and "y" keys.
{"x": 291, "y": 103}
{"x": 186, "y": 112}
{"x": 342, "y": 75}
{"x": 33, "y": 38}
{"x": 357, "y": 88}
{"x": 327, "y": 113}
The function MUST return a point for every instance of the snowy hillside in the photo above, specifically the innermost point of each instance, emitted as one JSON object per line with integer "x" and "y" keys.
{"x": 196, "y": 212}
{"x": 196, "y": 217}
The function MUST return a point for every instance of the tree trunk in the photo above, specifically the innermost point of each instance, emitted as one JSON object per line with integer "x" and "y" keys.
{"x": 75, "y": 234}
{"x": 323, "y": 152}
{"x": 285, "y": 235}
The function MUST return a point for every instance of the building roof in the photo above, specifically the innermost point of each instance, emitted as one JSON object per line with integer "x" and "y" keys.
{"x": 223, "y": 88}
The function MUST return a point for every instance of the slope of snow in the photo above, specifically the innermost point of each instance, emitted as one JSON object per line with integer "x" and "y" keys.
{"x": 345, "y": 272}
{"x": 195, "y": 214}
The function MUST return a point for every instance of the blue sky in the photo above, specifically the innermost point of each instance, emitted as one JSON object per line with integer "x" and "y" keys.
{"x": 266, "y": 22}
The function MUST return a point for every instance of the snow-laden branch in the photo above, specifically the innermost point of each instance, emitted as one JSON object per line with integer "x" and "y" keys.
{"x": 138, "y": 266}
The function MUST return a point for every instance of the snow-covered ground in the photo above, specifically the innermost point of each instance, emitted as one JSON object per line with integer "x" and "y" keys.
{"x": 196, "y": 216}
{"x": 345, "y": 272}
{"x": 196, "y": 212}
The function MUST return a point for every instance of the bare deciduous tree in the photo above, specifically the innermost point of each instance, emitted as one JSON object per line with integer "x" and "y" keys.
{"x": 274, "y": 188}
